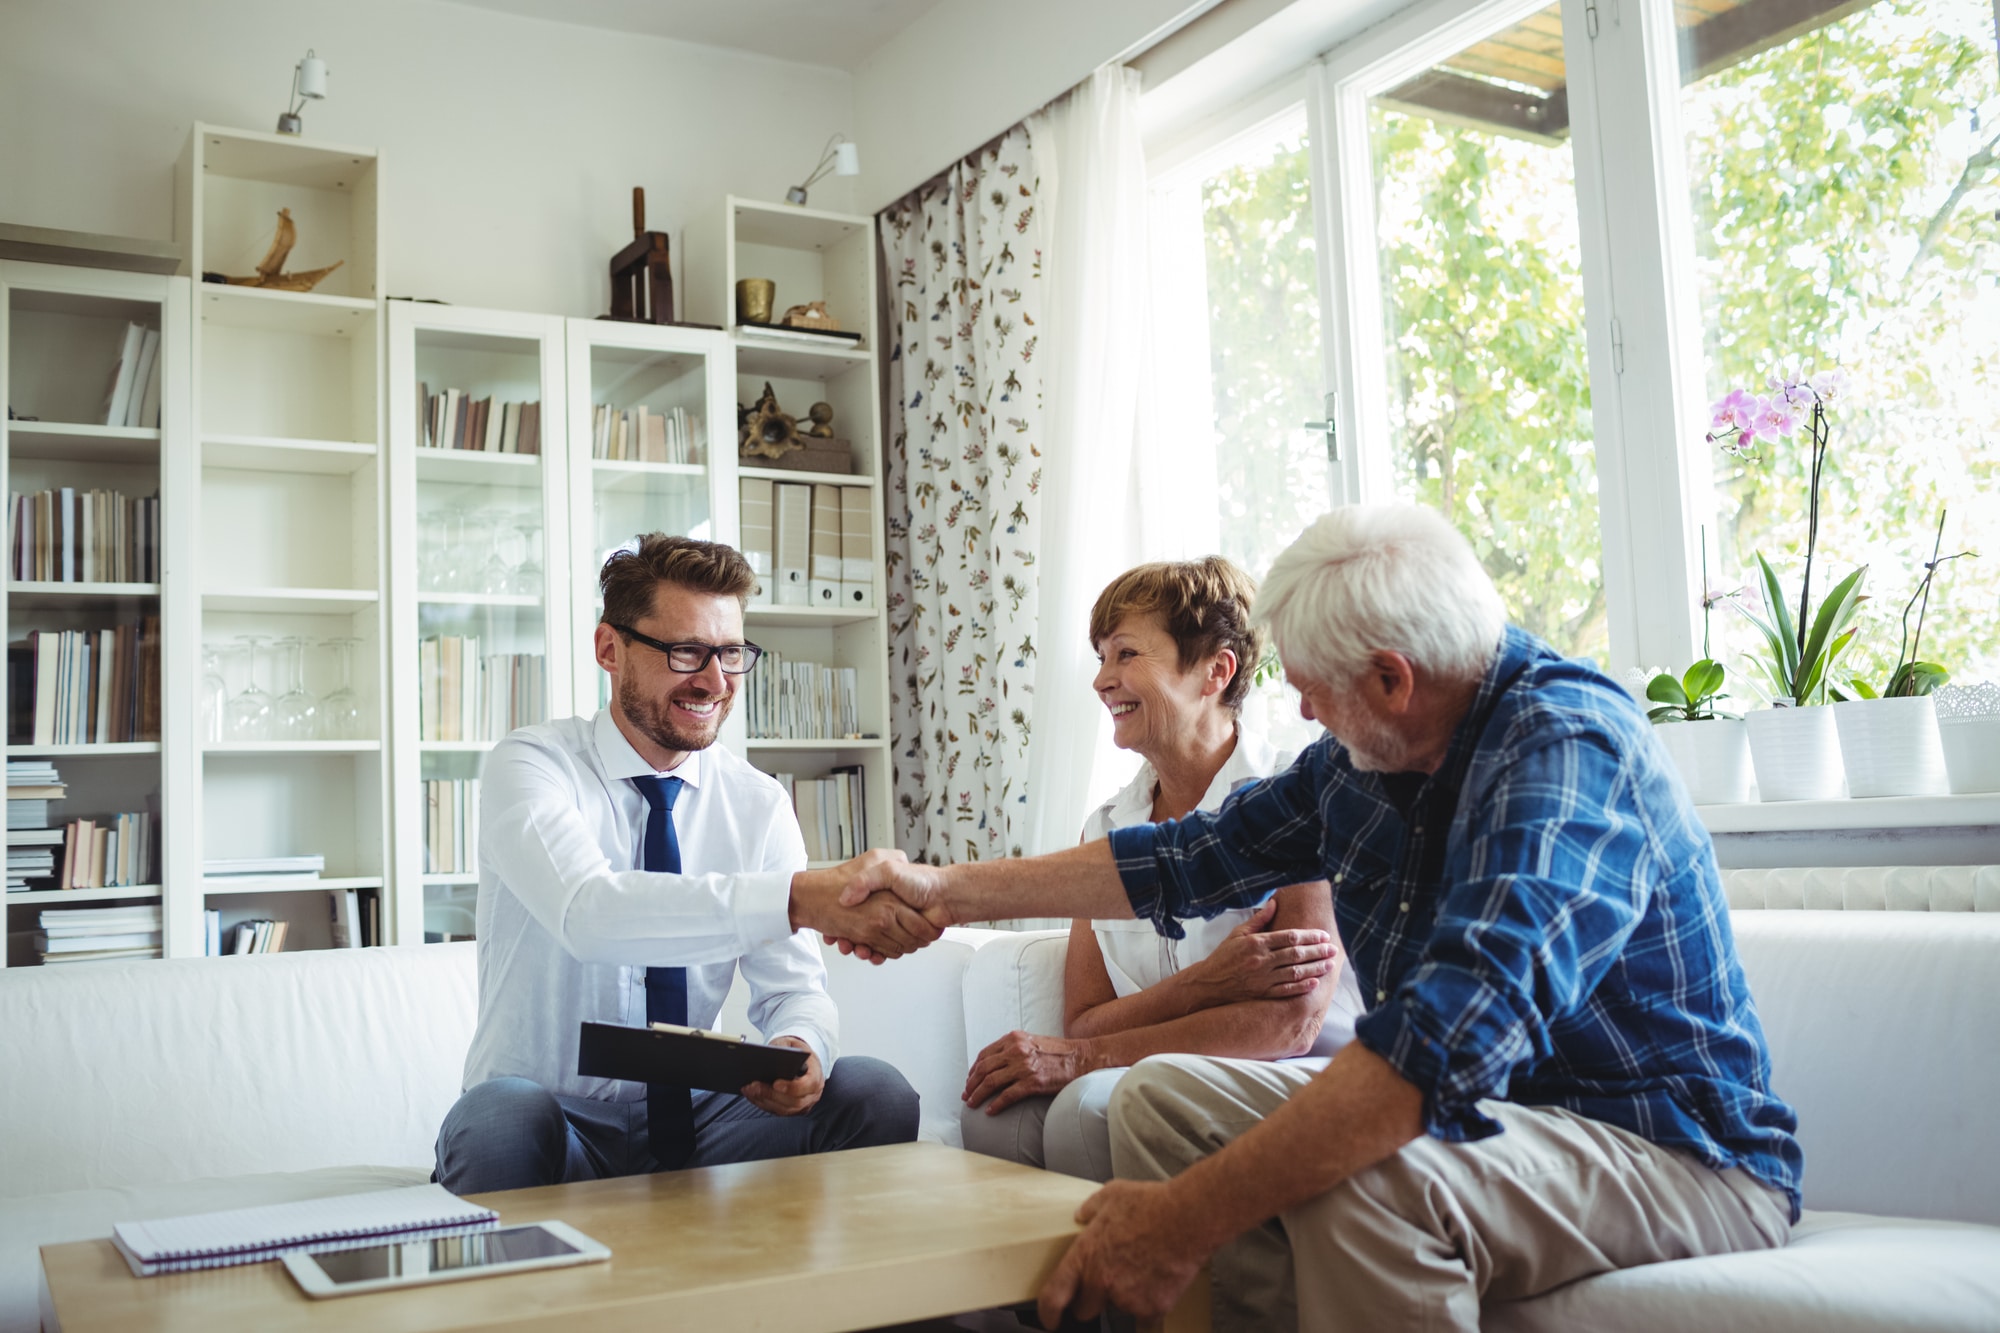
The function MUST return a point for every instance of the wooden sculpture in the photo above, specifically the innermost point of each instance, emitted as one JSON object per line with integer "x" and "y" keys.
{"x": 642, "y": 283}
{"x": 271, "y": 269}
{"x": 765, "y": 430}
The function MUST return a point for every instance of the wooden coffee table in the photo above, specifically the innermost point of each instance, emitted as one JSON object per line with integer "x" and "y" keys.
{"x": 822, "y": 1244}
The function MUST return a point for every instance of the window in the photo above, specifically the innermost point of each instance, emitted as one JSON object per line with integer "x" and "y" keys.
{"x": 1482, "y": 304}
{"x": 1847, "y": 214}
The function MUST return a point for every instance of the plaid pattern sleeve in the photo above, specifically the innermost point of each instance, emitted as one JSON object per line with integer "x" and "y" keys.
{"x": 1540, "y": 920}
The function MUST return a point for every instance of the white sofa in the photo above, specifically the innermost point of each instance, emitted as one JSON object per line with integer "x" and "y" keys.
{"x": 149, "y": 1089}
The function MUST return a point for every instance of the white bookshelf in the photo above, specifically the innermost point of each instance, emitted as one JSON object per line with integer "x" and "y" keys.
{"x": 624, "y": 365}
{"x": 286, "y": 535}
{"x": 464, "y": 525}
{"x": 810, "y": 255}
{"x": 62, "y": 332}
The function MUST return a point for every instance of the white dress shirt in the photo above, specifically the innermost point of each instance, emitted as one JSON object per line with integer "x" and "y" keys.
{"x": 567, "y": 926}
{"x": 1136, "y": 956}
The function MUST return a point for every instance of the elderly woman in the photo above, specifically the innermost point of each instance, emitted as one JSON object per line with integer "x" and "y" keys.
{"x": 1176, "y": 650}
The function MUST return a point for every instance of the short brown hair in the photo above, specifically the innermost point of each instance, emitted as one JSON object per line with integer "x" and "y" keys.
{"x": 631, "y": 578}
{"x": 1204, "y": 604}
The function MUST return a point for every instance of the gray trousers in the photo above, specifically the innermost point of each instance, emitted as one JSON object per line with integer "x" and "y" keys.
{"x": 1418, "y": 1241}
{"x": 512, "y": 1133}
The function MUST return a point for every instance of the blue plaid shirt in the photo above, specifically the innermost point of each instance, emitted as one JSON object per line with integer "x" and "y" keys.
{"x": 1541, "y": 920}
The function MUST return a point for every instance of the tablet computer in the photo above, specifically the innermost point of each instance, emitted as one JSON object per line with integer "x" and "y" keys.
{"x": 446, "y": 1259}
{"x": 682, "y": 1057}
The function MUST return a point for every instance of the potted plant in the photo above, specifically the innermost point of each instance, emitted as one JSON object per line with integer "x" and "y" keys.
{"x": 1890, "y": 738}
{"x": 1794, "y": 745}
{"x": 1714, "y": 757}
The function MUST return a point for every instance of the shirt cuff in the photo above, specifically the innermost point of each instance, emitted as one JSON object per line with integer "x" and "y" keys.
{"x": 1395, "y": 1031}
{"x": 1135, "y": 850}
{"x": 763, "y": 907}
{"x": 816, "y": 1039}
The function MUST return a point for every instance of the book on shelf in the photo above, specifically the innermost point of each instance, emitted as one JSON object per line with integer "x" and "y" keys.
{"x": 66, "y": 535}
{"x": 344, "y": 924}
{"x": 131, "y": 398}
{"x": 788, "y": 699}
{"x": 308, "y": 866}
{"x": 646, "y": 435}
{"x": 259, "y": 936}
{"x": 786, "y": 333}
{"x": 79, "y": 935}
{"x": 211, "y": 931}
{"x": 832, "y": 812}
{"x": 451, "y": 826}
{"x": 468, "y": 695}
{"x": 454, "y": 419}
{"x": 113, "y": 854}
{"x": 85, "y": 687}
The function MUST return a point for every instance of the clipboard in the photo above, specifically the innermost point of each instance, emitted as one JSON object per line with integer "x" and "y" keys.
{"x": 682, "y": 1057}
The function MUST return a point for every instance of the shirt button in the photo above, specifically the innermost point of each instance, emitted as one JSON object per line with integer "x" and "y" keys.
{"x": 1339, "y": 877}
{"x": 1402, "y": 907}
{"x": 1418, "y": 829}
{"x": 1381, "y": 995}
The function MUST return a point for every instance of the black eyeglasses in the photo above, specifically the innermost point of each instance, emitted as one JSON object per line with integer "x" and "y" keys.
{"x": 735, "y": 659}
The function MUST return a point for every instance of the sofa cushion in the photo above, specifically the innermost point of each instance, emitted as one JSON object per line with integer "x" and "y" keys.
{"x": 141, "y": 1073}
{"x": 1882, "y": 1028}
{"x": 28, "y": 1222}
{"x": 1842, "y": 1273}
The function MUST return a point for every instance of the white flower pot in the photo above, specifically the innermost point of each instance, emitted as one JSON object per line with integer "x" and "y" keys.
{"x": 1971, "y": 753}
{"x": 1796, "y": 752}
{"x": 1891, "y": 747}
{"x": 1713, "y": 758}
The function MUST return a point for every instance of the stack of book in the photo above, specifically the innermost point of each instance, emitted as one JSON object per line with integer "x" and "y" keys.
{"x": 643, "y": 435}
{"x": 451, "y": 826}
{"x": 308, "y": 867}
{"x": 354, "y": 924}
{"x": 132, "y": 398}
{"x": 832, "y": 811}
{"x": 31, "y": 843}
{"x": 792, "y": 700}
{"x": 107, "y": 854}
{"x": 453, "y": 419}
{"x": 85, "y": 687}
{"x": 85, "y": 935}
{"x": 64, "y": 535}
{"x": 468, "y": 696}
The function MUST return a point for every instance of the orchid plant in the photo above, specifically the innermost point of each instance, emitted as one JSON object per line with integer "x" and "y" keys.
{"x": 1803, "y": 649}
{"x": 1691, "y": 697}
{"x": 1914, "y": 676}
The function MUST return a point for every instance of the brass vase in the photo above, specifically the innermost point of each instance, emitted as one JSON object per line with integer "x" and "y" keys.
{"x": 755, "y": 299}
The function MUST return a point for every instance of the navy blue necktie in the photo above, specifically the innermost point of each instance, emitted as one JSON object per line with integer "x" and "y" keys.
{"x": 669, "y": 1108}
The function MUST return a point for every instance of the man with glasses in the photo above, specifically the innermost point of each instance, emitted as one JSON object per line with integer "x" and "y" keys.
{"x": 628, "y": 868}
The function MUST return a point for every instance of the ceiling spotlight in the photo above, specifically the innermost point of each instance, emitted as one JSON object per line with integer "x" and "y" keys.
{"x": 308, "y": 84}
{"x": 841, "y": 157}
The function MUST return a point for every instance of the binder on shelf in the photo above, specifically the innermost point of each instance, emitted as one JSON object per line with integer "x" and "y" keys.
{"x": 857, "y": 549}
{"x": 757, "y": 522}
{"x": 794, "y": 544}
{"x": 118, "y": 394}
{"x": 824, "y": 586}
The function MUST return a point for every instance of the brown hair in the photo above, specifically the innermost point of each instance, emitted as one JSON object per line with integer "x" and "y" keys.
{"x": 1204, "y": 604}
{"x": 630, "y": 578}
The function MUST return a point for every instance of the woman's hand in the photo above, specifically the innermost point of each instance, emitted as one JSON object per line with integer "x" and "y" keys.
{"x": 1258, "y": 964}
{"x": 1021, "y": 1064}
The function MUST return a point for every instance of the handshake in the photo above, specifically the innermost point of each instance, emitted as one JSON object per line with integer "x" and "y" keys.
{"x": 878, "y": 906}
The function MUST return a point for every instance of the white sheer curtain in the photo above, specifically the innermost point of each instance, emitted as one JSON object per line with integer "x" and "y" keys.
{"x": 1094, "y": 177}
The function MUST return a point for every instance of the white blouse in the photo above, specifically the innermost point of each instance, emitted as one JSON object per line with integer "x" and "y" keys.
{"x": 1136, "y": 956}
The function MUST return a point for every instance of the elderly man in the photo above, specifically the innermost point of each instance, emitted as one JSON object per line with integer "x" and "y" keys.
{"x": 1560, "y": 1072}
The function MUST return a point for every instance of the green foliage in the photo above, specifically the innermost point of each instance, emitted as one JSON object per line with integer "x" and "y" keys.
{"x": 1689, "y": 699}
{"x": 1801, "y": 671}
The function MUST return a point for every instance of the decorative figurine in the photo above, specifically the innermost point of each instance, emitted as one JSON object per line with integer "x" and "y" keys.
{"x": 271, "y": 269}
{"x": 642, "y": 282}
{"x": 811, "y": 315}
{"x": 821, "y": 416}
{"x": 765, "y": 431}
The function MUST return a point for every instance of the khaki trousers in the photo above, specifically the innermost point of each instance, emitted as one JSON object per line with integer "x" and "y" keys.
{"x": 1418, "y": 1241}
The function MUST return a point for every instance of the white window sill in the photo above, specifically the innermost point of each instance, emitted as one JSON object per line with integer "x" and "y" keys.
{"x": 1879, "y": 812}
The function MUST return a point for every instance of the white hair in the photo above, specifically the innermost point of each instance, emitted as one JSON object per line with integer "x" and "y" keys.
{"x": 1369, "y": 578}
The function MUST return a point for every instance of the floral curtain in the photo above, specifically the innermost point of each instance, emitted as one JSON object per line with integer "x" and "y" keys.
{"x": 963, "y": 263}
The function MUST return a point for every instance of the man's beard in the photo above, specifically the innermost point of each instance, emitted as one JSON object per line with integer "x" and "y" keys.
{"x": 1372, "y": 747}
{"x": 656, "y": 721}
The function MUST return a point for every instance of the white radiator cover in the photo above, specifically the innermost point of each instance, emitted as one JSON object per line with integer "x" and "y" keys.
{"x": 1866, "y": 889}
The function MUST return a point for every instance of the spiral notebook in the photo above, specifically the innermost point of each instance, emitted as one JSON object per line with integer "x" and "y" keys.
{"x": 252, "y": 1235}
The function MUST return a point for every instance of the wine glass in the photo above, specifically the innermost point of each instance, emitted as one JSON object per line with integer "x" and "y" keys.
{"x": 294, "y": 716}
{"x": 527, "y": 579}
{"x": 475, "y": 536}
{"x": 340, "y": 711}
{"x": 435, "y": 542}
{"x": 214, "y": 694}
{"x": 496, "y": 574}
{"x": 248, "y": 717}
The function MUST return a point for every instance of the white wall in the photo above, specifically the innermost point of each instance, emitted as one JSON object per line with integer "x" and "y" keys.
{"x": 969, "y": 69}
{"x": 511, "y": 145}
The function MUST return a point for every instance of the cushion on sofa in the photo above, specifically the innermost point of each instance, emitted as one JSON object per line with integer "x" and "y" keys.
{"x": 140, "y": 1073}
{"x": 1842, "y": 1273}
{"x": 30, "y": 1221}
